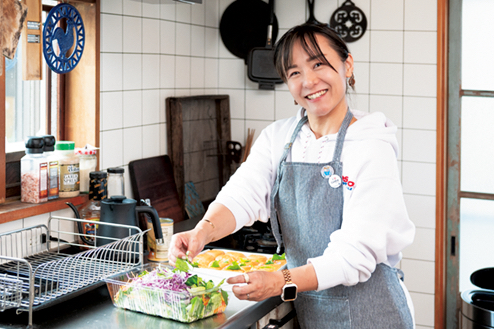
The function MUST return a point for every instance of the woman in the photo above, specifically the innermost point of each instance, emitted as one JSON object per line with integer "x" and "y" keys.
{"x": 328, "y": 179}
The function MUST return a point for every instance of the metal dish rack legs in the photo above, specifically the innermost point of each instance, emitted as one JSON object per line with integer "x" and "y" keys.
{"x": 38, "y": 264}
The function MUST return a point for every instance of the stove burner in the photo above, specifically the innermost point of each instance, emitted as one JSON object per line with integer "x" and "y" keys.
{"x": 255, "y": 238}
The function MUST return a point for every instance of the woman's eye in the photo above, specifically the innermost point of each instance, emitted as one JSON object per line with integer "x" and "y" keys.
{"x": 293, "y": 73}
{"x": 318, "y": 64}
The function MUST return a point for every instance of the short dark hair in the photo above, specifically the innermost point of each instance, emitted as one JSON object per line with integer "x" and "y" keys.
{"x": 305, "y": 33}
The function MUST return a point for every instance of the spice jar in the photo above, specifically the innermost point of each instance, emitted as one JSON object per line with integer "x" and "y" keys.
{"x": 53, "y": 170}
{"x": 34, "y": 172}
{"x": 92, "y": 209}
{"x": 87, "y": 164}
{"x": 69, "y": 169}
{"x": 115, "y": 181}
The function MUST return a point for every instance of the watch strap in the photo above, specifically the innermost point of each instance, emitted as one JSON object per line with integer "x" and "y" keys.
{"x": 287, "y": 276}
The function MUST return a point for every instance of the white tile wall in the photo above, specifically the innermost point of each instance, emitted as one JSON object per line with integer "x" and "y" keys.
{"x": 150, "y": 53}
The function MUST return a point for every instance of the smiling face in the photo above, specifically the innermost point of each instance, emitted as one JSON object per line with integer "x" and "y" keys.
{"x": 317, "y": 84}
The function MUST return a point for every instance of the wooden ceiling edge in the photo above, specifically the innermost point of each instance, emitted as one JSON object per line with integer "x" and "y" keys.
{"x": 441, "y": 166}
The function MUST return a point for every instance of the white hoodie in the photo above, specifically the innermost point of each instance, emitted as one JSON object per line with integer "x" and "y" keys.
{"x": 375, "y": 227}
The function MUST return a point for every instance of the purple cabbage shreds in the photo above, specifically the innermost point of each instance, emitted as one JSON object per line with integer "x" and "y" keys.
{"x": 163, "y": 279}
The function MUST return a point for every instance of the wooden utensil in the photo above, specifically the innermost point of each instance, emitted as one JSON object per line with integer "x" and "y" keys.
{"x": 248, "y": 143}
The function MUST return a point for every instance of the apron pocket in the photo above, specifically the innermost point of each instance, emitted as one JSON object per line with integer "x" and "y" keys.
{"x": 322, "y": 311}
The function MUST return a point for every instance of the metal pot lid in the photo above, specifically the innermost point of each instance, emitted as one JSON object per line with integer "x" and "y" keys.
{"x": 483, "y": 278}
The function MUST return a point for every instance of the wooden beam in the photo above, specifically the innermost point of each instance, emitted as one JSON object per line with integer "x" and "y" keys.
{"x": 2, "y": 130}
{"x": 441, "y": 170}
{"x": 32, "y": 41}
{"x": 82, "y": 83}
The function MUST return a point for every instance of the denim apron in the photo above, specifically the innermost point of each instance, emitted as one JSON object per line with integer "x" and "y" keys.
{"x": 308, "y": 210}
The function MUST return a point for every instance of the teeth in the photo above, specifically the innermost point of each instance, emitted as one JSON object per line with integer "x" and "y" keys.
{"x": 318, "y": 94}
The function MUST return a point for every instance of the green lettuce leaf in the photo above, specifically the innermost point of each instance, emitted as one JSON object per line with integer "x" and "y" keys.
{"x": 225, "y": 296}
{"x": 196, "y": 308}
{"x": 278, "y": 257}
{"x": 181, "y": 265}
{"x": 234, "y": 266}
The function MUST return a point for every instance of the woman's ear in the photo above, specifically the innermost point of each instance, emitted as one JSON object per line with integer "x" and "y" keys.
{"x": 349, "y": 65}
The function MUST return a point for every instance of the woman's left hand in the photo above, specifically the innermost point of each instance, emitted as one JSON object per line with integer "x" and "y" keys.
{"x": 260, "y": 285}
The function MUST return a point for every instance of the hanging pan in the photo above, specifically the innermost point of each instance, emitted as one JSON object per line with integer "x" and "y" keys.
{"x": 244, "y": 24}
{"x": 312, "y": 19}
{"x": 261, "y": 67}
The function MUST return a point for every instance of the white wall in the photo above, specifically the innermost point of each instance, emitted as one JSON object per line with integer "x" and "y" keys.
{"x": 150, "y": 52}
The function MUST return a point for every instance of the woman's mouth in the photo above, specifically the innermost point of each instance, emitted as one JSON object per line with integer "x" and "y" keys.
{"x": 316, "y": 95}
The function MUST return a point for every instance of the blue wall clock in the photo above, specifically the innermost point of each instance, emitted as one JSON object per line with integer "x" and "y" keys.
{"x": 60, "y": 60}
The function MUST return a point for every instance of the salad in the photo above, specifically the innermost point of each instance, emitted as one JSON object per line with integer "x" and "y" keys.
{"x": 172, "y": 293}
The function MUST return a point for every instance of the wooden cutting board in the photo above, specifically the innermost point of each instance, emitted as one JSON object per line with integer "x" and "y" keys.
{"x": 152, "y": 178}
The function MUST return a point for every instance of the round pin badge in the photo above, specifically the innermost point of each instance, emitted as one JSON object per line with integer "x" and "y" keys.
{"x": 327, "y": 171}
{"x": 334, "y": 181}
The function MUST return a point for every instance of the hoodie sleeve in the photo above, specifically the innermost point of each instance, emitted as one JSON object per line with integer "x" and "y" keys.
{"x": 247, "y": 193}
{"x": 375, "y": 227}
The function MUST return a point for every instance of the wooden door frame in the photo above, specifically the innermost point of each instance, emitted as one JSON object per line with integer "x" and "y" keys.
{"x": 447, "y": 297}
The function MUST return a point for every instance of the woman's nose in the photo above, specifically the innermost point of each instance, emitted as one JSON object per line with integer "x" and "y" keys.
{"x": 310, "y": 79}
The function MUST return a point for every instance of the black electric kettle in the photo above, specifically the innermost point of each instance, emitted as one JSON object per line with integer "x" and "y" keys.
{"x": 120, "y": 210}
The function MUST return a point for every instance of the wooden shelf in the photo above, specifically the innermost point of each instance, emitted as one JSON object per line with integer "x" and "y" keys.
{"x": 14, "y": 210}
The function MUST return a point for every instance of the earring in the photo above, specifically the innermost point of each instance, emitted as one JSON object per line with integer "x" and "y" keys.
{"x": 351, "y": 81}
{"x": 295, "y": 102}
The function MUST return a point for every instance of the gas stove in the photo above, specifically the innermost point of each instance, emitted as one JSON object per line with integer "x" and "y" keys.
{"x": 256, "y": 238}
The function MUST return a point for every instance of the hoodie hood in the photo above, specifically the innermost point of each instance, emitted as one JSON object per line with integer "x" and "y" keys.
{"x": 368, "y": 126}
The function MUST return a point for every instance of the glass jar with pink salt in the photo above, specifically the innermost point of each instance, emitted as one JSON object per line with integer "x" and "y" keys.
{"x": 34, "y": 172}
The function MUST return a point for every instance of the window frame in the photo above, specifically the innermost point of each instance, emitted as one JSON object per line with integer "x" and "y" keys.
{"x": 448, "y": 191}
{"x": 82, "y": 103}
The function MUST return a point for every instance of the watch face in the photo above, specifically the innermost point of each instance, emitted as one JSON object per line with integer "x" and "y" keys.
{"x": 289, "y": 292}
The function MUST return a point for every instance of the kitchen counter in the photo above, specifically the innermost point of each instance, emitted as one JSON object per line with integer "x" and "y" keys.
{"x": 94, "y": 309}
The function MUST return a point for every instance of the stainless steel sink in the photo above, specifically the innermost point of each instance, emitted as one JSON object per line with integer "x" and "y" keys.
{"x": 477, "y": 309}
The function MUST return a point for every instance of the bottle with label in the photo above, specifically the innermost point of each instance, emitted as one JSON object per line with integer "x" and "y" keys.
{"x": 34, "y": 172}
{"x": 53, "y": 170}
{"x": 116, "y": 181}
{"x": 92, "y": 209}
{"x": 69, "y": 169}
{"x": 87, "y": 164}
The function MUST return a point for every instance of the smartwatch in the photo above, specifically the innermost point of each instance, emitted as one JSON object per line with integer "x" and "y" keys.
{"x": 289, "y": 290}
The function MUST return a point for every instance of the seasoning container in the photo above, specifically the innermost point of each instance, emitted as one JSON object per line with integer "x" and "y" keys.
{"x": 34, "y": 172}
{"x": 87, "y": 164}
{"x": 53, "y": 170}
{"x": 92, "y": 209}
{"x": 69, "y": 169}
{"x": 115, "y": 181}
{"x": 158, "y": 250}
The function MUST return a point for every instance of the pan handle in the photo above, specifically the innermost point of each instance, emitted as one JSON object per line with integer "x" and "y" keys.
{"x": 312, "y": 18}
{"x": 269, "y": 40}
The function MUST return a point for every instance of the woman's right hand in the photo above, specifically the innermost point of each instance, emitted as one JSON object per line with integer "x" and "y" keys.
{"x": 192, "y": 241}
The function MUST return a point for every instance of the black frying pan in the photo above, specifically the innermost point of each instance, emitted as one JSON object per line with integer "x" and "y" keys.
{"x": 260, "y": 61}
{"x": 244, "y": 26}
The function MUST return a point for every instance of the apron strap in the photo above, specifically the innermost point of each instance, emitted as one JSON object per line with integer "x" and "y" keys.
{"x": 288, "y": 145}
{"x": 274, "y": 216}
{"x": 340, "y": 138}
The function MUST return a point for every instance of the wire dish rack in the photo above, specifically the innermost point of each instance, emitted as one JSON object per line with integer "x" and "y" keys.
{"x": 43, "y": 265}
